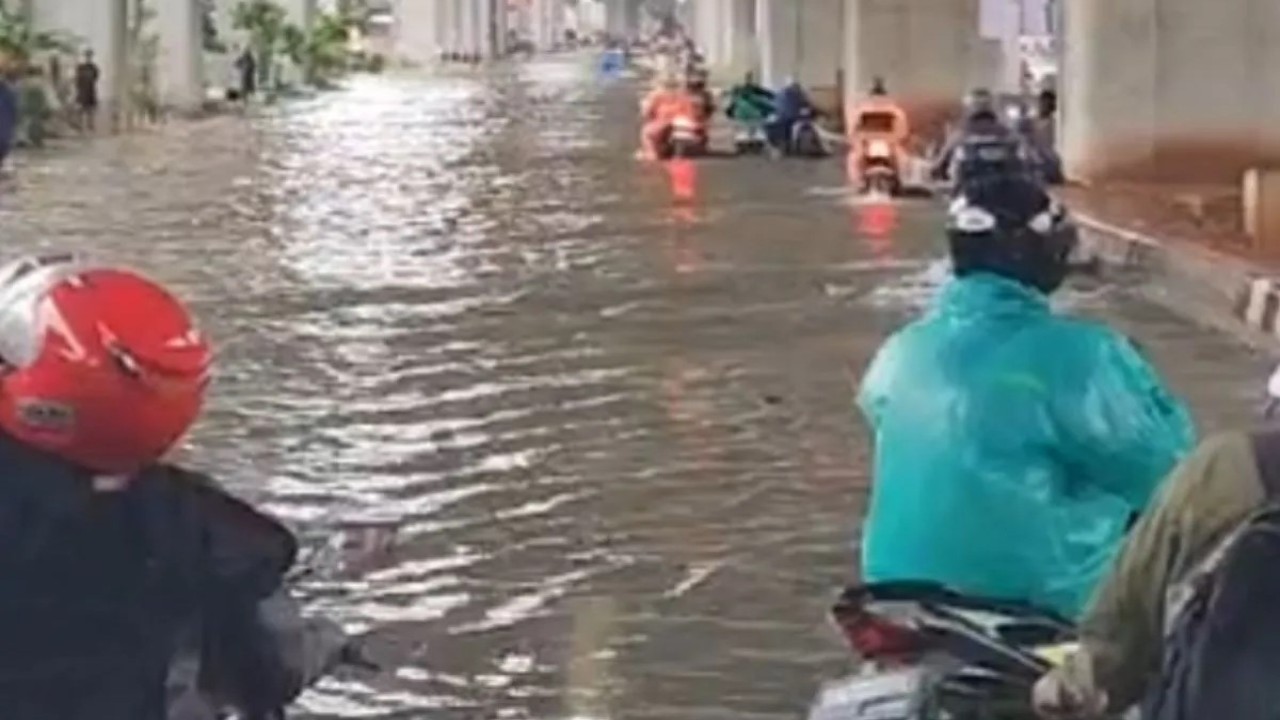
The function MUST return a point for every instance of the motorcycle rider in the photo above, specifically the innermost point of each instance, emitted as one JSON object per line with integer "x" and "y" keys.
{"x": 658, "y": 110}
{"x": 791, "y": 105}
{"x": 695, "y": 88}
{"x": 982, "y": 145}
{"x": 877, "y": 104}
{"x": 749, "y": 102}
{"x": 113, "y": 558}
{"x": 1129, "y": 644}
{"x": 1012, "y": 444}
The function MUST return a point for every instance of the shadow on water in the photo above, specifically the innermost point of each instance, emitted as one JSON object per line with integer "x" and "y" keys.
{"x": 604, "y": 407}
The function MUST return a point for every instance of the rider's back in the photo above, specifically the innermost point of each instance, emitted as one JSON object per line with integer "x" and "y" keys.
{"x": 1012, "y": 447}
{"x": 99, "y": 586}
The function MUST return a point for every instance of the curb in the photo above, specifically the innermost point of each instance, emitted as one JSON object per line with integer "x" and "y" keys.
{"x": 1219, "y": 290}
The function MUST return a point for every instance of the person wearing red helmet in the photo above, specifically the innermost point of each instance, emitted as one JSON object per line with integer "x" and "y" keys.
{"x": 111, "y": 559}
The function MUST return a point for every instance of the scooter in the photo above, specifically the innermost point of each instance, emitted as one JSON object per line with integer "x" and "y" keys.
{"x": 805, "y": 141}
{"x": 927, "y": 653}
{"x": 749, "y": 139}
{"x": 686, "y": 138}
{"x": 879, "y": 171}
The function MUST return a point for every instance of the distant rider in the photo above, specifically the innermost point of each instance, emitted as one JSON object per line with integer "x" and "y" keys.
{"x": 878, "y": 104}
{"x": 791, "y": 105}
{"x": 112, "y": 558}
{"x": 660, "y": 108}
{"x": 1012, "y": 444}
{"x": 983, "y": 145}
{"x": 695, "y": 87}
{"x": 749, "y": 102}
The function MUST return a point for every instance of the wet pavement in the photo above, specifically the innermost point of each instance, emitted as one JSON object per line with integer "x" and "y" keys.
{"x": 605, "y": 407}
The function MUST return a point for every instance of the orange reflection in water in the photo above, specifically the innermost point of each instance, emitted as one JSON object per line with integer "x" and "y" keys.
{"x": 682, "y": 173}
{"x": 682, "y": 177}
{"x": 876, "y": 223}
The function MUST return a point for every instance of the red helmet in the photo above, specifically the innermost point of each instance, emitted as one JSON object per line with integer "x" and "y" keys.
{"x": 98, "y": 365}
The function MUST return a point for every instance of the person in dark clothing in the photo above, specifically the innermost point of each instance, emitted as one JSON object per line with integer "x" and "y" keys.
{"x": 8, "y": 118}
{"x": 982, "y": 146}
{"x": 247, "y": 65}
{"x": 113, "y": 560}
{"x": 86, "y": 82}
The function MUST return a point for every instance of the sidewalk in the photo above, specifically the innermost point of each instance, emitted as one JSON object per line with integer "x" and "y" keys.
{"x": 1185, "y": 247}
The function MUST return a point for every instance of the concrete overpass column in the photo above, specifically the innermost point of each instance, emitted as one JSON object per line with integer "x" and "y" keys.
{"x": 472, "y": 29}
{"x": 621, "y": 17}
{"x": 548, "y": 18}
{"x": 417, "y": 29}
{"x": 739, "y": 36}
{"x": 180, "y": 57}
{"x": 1170, "y": 90}
{"x": 499, "y": 24}
{"x": 778, "y": 34}
{"x": 103, "y": 26}
{"x": 708, "y": 29}
{"x": 928, "y": 52}
{"x": 802, "y": 39}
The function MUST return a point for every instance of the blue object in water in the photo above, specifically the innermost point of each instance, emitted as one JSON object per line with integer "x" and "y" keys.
{"x": 1012, "y": 446}
{"x": 613, "y": 62}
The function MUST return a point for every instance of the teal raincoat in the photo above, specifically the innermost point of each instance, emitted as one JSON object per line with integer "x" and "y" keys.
{"x": 1012, "y": 446}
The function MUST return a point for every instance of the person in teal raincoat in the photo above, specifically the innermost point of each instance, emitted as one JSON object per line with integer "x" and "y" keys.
{"x": 1013, "y": 445}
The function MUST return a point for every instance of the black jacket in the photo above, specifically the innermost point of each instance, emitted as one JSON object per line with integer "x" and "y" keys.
{"x": 98, "y": 591}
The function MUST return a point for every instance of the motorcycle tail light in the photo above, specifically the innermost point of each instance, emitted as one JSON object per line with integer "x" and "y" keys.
{"x": 873, "y": 637}
{"x": 879, "y": 149}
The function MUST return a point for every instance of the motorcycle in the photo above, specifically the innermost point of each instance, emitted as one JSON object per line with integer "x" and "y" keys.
{"x": 931, "y": 654}
{"x": 805, "y": 141}
{"x": 686, "y": 138}
{"x": 879, "y": 169}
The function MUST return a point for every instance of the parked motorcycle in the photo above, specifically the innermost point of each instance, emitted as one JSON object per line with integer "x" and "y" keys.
{"x": 930, "y": 654}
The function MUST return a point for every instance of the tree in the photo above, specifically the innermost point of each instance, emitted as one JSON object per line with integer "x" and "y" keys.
{"x": 264, "y": 20}
{"x": 20, "y": 42}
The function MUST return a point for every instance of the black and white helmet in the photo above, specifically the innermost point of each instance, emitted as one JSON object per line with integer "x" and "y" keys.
{"x": 1009, "y": 226}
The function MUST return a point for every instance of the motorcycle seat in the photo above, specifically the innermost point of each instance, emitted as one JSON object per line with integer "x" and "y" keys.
{"x": 1017, "y": 624}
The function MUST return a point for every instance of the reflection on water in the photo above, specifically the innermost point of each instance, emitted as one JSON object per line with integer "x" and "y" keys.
{"x": 568, "y": 435}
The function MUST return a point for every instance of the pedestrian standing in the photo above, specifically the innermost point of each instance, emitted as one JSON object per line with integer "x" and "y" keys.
{"x": 86, "y": 81}
{"x": 247, "y": 64}
{"x": 8, "y": 116}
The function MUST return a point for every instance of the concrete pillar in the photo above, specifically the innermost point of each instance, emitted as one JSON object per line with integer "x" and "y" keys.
{"x": 451, "y": 27}
{"x": 469, "y": 28}
{"x": 501, "y": 22}
{"x": 417, "y": 28}
{"x": 621, "y": 18}
{"x": 738, "y": 36}
{"x": 928, "y": 52}
{"x": 180, "y": 54}
{"x": 1170, "y": 90}
{"x": 548, "y": 23}
{"x": 803, "y": 40}
{"x": 102, "y": 25}
{"x": 778, "y": 34}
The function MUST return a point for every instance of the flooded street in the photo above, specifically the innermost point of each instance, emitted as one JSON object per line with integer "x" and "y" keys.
{"x": 605, "y": 407}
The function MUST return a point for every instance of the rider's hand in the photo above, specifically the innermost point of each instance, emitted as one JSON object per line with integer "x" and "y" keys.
{"x": 1057, "y": 697}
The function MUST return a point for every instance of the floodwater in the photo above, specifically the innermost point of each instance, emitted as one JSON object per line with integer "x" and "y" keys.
{"x": 589, "y": 422}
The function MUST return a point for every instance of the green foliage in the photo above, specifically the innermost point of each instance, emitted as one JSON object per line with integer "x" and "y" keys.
{"x": 321, "y": 51}
{"x": 211, "y": 40}
{"x": 21, "y": 42}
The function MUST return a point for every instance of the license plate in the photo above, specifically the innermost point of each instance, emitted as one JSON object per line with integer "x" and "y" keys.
{"x": 895, "y": 695}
